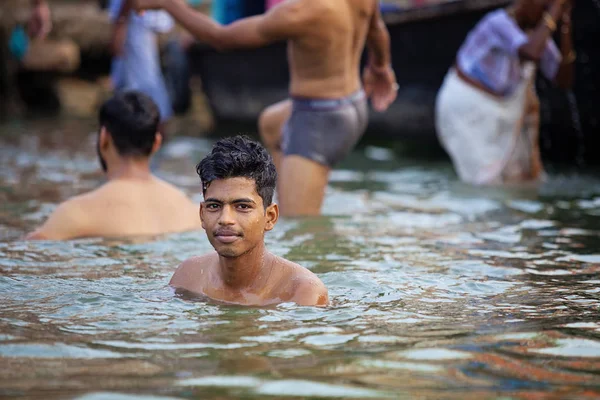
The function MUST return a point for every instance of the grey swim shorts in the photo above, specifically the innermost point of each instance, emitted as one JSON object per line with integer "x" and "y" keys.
{"x": 325, "y": 130}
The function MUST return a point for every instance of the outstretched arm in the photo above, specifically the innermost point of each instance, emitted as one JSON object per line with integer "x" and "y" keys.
{"x": 280, "y": 23}
{"x": 379, "y": 78}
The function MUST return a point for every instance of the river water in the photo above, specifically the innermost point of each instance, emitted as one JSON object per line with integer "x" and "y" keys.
{"x": 439, "y": 290}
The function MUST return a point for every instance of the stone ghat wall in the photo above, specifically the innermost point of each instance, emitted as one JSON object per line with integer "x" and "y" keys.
{"x": 84, "y": 22}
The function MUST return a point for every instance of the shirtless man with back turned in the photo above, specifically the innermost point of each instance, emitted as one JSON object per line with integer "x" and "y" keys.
{"x": 133, "y": 202}
{"x": 327, "y": 113}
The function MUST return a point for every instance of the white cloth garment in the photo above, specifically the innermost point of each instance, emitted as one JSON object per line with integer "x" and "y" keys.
{"x": 490, "y": 139}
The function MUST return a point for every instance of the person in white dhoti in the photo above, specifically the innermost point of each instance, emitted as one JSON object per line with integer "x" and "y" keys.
{"x": 487, "y": 111}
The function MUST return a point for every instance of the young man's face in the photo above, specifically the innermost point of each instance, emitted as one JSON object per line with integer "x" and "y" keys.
{"x": 234, "y": 217}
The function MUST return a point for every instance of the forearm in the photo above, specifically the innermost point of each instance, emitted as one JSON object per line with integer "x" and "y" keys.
{"x": 536, "y": 44}
{"x": 378, "y": 45}
{"x": 119, "y": 31}
{"x": 124, "y": 11}
{"x": 201, "y": 26}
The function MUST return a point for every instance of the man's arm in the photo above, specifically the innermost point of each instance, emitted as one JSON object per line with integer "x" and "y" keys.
{"x": 119, "y": 31}
{"x": 378, "y": 41}
{"x": 282, "y": 22}
{"x": 535, "y": 45}
{"x": 379, "y": 79}
{"x": 68, "y": 221}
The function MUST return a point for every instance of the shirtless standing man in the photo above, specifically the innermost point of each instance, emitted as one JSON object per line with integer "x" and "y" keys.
{"x": 133, "y": 202}
{"x": 327, "y": 113}
{"x": 238, "y": 181}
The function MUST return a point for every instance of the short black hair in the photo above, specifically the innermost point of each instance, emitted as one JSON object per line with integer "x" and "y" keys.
{"x": 132, "y": 120}
{"x": 240, "y": 157}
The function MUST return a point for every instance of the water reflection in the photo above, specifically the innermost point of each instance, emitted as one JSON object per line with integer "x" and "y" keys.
{"x": 438, "y": 289}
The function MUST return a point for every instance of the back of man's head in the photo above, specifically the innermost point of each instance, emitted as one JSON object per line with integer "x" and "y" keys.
{"x": 131, "y": 118}
{"x": 240, "y": 157}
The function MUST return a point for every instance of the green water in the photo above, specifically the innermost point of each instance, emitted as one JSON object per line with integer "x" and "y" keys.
{"x": 439, "y": 290}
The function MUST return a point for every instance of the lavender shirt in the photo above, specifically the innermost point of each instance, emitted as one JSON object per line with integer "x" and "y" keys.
{"x": 490, "y": 54}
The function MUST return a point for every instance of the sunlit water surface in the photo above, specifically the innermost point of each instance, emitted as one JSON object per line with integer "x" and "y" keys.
{"x": 438, "y": 290}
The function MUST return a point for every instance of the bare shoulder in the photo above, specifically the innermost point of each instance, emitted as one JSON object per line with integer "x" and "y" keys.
{"x": 291, "y": 16}
{"x": 309, "y": 290}
{"x": 178, "y": 196}
{"x": 191, "y": 271}
{"x": 68, "y": 221}
{"x": 166, "y": 185}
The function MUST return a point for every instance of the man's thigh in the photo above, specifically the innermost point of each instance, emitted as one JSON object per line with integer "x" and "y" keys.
{"x": 301, "y": 186}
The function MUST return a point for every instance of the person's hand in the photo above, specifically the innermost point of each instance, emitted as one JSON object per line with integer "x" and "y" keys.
{"x": 40, "y": 22}
{"x": 140, "y": 6}
{"x": 380, "y": 86}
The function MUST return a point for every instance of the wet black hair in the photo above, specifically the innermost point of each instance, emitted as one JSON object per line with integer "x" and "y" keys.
{"x": 240, "y": 157}
{"x": 131, "y": 118}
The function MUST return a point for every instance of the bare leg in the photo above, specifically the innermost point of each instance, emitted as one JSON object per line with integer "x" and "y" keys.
{"x": 301, "y": 186}
{"x": 51, "y": 55}
{"x": 270, "y": 127}
{"x": 533, "y": 121}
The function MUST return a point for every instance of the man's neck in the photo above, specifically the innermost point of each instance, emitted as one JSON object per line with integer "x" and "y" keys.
{"x": 130, "y": 169}
{"x": 243, "y": 272}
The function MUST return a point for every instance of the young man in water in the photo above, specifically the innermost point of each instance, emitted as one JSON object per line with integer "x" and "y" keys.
{"x": 327, "y": 114}
{"x": 133, "y": 202}
{"x": 238, "y": 181}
